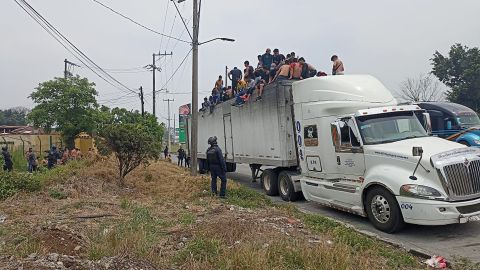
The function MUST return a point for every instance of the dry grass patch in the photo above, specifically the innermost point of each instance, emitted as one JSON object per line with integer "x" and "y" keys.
{"x": 169, "y": 219}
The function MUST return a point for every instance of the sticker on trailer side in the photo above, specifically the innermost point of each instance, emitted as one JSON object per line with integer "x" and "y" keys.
{"x": 298, "y": 126}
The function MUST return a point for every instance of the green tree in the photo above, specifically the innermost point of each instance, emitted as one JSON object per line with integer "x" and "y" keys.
{"x": 67, "y": 104}
{"x": 133, "y": 139}
{"x": 460, "y": 70}
{"x": 14, "y": 117}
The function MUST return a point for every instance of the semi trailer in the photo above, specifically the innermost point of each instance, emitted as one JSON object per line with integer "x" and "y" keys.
{"x": 343, "y": 142}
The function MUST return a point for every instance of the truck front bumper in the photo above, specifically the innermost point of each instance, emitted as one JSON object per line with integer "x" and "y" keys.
{"x": 431, "y": 212}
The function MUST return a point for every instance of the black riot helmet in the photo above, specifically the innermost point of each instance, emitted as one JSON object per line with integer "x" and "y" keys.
{"x": 212, "y": 140}
{"x": 4, "y": 148}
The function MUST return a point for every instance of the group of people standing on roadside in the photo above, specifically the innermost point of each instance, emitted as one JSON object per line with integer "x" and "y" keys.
{"x": 183, "y": 159}
{"x": 53, "y": 157}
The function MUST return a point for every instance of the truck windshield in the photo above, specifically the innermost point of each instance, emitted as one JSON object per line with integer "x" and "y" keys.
{"x": 390, "y": 127}
{"x": 468, "y": 120}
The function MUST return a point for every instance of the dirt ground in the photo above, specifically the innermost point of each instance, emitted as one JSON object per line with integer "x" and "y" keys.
{"x": 166, "y": 219}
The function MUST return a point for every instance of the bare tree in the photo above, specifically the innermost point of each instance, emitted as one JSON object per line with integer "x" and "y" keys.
{"x": 423, "y": 88}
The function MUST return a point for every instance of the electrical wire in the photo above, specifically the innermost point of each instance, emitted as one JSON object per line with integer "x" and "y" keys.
{"x": 137, "y": 23}
{"x": 59, "y": 37}
{"x": 164, "y": 24}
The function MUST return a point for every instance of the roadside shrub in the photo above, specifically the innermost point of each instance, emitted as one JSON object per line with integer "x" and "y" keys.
{"x": 11, "y": 183}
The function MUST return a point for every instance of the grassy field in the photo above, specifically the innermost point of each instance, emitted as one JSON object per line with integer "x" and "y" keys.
{"x": 167, "y": 219}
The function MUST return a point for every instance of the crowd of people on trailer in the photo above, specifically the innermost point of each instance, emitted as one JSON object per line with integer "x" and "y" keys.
{"x": 270, "y": 68}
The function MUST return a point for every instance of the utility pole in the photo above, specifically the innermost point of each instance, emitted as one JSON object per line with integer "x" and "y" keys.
{"x": 154, "y": 68}
{"x": 174, "y": 129}
{"x": 194, "y": 131}
{"x": 168, "y": 106}
{"x": 195, "y": 44}
{"x": 226, "y": 76}
{"x": 67, "y": 63}
{"x": 141, "y": 100}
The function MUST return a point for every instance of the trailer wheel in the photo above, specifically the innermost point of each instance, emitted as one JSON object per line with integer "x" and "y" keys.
{"x": 285, "y": 187}
{"x": 231, "y": 167}
{"x": 202, "y": 166}
{"x": 270, "y": 182}
{"x": 383, "y": 211}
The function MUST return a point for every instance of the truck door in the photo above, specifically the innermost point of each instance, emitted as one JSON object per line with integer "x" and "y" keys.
{"x": 349, "y": 152}
{"x": 227, "y": 125}
{"x": 350, "y": 162}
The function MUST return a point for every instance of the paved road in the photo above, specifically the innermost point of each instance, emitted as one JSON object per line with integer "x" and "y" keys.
{"x": 460, "y": 239}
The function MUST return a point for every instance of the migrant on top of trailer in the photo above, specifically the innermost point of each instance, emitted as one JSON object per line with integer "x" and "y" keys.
{"x": 350, "y": 88}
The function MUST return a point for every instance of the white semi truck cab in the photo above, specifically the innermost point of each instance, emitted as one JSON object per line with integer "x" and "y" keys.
{"x": 343, "y": 142}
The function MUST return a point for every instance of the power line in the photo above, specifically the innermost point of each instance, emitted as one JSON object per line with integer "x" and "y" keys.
{"x": 137, "y": 23}
{"x": 164, "y": 23}
{"x": 59, "y": 37}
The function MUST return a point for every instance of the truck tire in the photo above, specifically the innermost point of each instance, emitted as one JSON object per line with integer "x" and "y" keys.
{"x": 202, "y": 166}
{"x": 270, "y": 182}
{"x": 285, "y": 187}
{"x": 383, "y": 210}
{"x": 231, "y": 167}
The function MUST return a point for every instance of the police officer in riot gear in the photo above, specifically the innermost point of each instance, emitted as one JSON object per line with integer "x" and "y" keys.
{"x": 7, "y": 160}
{"x": 217, "y": 166}
{"x": 52, "y": 157}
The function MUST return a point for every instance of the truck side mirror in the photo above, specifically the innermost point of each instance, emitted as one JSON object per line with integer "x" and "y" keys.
{"x": 427, "y": 123}
{"x": 336, "y": 135}
{"x": 417, "y": 151}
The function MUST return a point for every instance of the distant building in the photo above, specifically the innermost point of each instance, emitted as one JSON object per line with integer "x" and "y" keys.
{"x": 21, "y": 130}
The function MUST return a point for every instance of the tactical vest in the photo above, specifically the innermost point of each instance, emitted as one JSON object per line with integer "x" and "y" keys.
{"x": 212, "y": 156}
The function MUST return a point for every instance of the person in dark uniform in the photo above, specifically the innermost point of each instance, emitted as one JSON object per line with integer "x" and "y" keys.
{"x": 53, "y": 157}
{"x": 217, "y": 166}
{"x": 7, "y": 159}
{"x": 180, "y": 156}
{"x": 165, "y": 152}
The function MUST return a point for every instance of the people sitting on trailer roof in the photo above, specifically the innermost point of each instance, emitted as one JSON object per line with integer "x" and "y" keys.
{"x": 338, "y": 68}
{"x": 219, "y": 82}
{"x": 272, "y": 72}
{"x": 259, "y": 87}
{"x": 262, "y": 73}
{"x": 308, "y": 70}
{"x": 267, "y": 59}
{"x": 215, "y": 96}
{"x": 277, "y": 57}
{"x": 205, "y": 104}
{"x": 235, "y": 75}
{"x": 295, "y": 70}
{"x": 260, "y": 63}
{"x": 283, "y": 72}
{"x": 211, "y": 103}
{"x": 321, "y": 74}
{"x": 248, "y": 71}
{"x": 228, "y": 94}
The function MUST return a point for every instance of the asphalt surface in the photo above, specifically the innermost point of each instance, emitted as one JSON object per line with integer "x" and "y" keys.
{"x": 457, "y": 240}
{"x": 448, "y": 241}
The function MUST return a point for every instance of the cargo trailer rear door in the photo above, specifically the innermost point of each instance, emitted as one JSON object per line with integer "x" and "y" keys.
{"x": 227, "y": 125}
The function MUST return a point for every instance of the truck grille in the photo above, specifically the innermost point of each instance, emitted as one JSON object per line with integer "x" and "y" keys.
{"x": 463, "y": 179}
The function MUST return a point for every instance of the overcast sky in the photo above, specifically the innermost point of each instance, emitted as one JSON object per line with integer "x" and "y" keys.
{"x": 391, "y": 40}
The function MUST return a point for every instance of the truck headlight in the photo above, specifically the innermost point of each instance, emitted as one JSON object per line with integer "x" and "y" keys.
{"x": 411, "y": 190}
{"x": 477, "y": 142}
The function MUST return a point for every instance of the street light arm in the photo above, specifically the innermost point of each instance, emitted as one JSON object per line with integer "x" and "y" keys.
{"x": 213, "y": 39}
